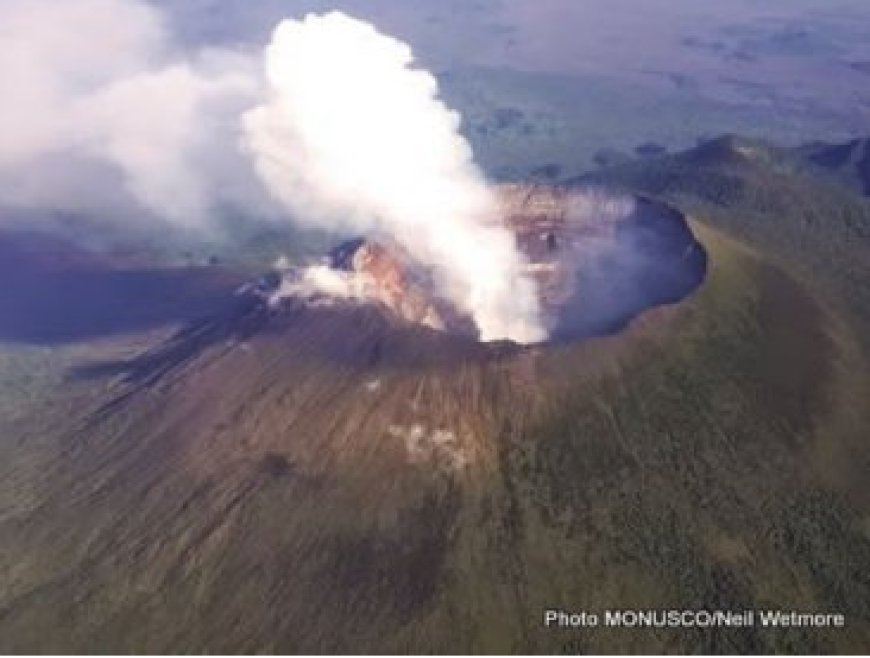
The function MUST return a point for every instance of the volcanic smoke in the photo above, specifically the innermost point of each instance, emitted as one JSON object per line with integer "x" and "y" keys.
{"x": 116, "y": 120}
{"x": 353, "y": 137}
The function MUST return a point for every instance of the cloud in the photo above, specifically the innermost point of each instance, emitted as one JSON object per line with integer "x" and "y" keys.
{"x": 353, "y": 137}
{"x": 104, "y": 114}
{"x": 96, "y": 94}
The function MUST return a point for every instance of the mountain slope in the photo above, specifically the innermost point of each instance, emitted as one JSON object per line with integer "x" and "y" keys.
{"x": 849, "y": 163}
{"x": 328, "y": 479}
{"x": 816, "y": 229}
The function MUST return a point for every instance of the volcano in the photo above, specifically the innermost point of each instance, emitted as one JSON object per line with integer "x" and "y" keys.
{"x": 598, "y": 261}
{"x": 307, "y": 470}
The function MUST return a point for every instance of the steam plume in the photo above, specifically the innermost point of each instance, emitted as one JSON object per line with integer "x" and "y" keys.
{"x": 107, "y": 116}
{"x": 104, "y": 114}
{"x": 353, "y": 138}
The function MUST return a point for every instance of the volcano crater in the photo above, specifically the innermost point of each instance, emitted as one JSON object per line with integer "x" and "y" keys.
{"x": 601, "y": 259}
{"x": 598, "y": 259}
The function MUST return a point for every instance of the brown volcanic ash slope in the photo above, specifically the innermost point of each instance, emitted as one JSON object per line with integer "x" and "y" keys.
{"x": 332, "y": 478}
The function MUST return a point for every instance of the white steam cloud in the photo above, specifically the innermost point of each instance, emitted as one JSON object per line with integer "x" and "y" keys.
{"x": 353, "y": 137}
{"x": 104, "y": 114}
